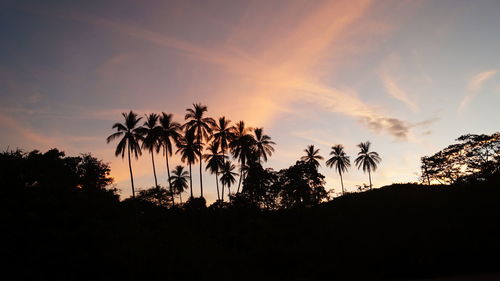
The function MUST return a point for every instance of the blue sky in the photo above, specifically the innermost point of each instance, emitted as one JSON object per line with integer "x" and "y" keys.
{"x": 410, "y": 76}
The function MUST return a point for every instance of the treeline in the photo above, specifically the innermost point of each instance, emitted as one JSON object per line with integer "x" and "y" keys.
{"x": 473, "y": 158}
{"x": 233, "y": 153}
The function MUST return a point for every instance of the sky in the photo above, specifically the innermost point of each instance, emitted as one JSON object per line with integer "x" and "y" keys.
{"x": 409, "y": 76}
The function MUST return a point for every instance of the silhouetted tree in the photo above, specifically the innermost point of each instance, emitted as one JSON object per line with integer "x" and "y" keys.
{"x": 242, "y": 146}
{"x": 301, "y": 185}
{"x": 228, "y": 176}
{"x": 472, "y": 158}
{"x": 94, "y": 174}
{"x": 214, "y": 160}
{"x": 130, "y": 136}
{"x": 179, "y": 180}
{"x": 261, "y": 186}
{"x": 201, "y": 128}
{"x": 263, "y": 144}
{"x": 150, "y": 132}
{"x": 312, "y": 156}
{"x": 367, "y": 159}
{"x": 189, "y": 149}
{"x": 340, "y": 161}
{"x": 169, "y": 135}
{"x": 156, "y": 195}
{"x": 223, "y": 134}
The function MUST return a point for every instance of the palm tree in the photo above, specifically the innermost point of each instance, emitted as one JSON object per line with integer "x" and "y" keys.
{"x": 151, "y": 138}
{"x": 130, "y": 136}
{"x": 312, "y": 156}
{"x": 367, "y": 159}
{"x": 189, "y": 149}
{"x": 169, "y": 133}
{"x": 228, "y": 175}
{"x": 340, "y": 160}
{"x": 179, "y": 180}
{"x": 223, "y": 134}
{"x": 263, "y": 144}
{"x": 214, "y": 160}
{"x": 201, "y": 127}
{"x": 242, "y": 146}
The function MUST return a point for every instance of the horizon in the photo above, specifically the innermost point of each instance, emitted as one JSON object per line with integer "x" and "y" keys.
{"x": 408, "y": 76}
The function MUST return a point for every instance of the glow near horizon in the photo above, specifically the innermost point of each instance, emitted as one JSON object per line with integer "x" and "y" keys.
{"x": 410, "y": 76}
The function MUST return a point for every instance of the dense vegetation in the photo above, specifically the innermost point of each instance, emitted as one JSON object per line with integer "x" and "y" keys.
{"x": 61, "y": 220}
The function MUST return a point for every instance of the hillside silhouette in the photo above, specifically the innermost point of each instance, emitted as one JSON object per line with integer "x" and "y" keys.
{"x": 62, "y": 219}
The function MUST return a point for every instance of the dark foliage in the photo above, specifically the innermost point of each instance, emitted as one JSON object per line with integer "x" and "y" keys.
{"x": 55, "y": 229}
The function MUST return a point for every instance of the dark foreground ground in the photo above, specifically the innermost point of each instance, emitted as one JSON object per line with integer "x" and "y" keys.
{"x": 399, "y": 232}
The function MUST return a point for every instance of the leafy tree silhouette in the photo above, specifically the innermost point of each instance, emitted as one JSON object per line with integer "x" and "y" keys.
{"x": 130, "y": 135}
{"x": 201, "y": 128}
{"x": 169, "y": 135}
{"x": 340, "y": 161}
{"x": 312, "y": 156}
{"x": 189, "y": 149}
{"x": 367, "y": 159}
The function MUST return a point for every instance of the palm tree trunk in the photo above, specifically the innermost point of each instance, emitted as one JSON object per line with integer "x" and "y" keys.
{"x": 131, "y": 175}
{"x": 168, "y": 174}
{"x": 224, "y": 159}
{"x": 370, "y": 177}
{"x": 239, "y": 181}
{"x": 180, "y": 196}
{"x": 201, "y": 160}
{"x": 342, "y": 183}
{"x": 191, "y": 180}
{"x": 154, "y": 168}
{"x": 217, "y": 184}
{"x": 229, "y": 193}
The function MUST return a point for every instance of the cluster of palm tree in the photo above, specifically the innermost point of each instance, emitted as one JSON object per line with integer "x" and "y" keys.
{"x": 367, "y": 160}
{"x": 199, "y": 138}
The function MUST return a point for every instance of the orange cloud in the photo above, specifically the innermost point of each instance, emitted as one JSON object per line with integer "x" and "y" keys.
{"x": 474, "y": 86}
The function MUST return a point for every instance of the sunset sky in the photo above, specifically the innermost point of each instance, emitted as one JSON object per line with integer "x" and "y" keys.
{"x": 409, "y": 76}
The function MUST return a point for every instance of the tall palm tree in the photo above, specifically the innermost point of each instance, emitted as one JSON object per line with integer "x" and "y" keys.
{"x": 242, "y": 146}
{"x": 130, "y": 136}
{"x": 312, "y": 156}
{"x": 201, "y": 127}
{"x": 263, "y": 144}
{"x": 340, "y": 161}
{"x": 151, "y": 138}
{"x": 223, "y": 134}
{"x": 228, "y": 175}
{"x": 367, "y": 159}
{"x": 170, "y": 133}
{"x": 179, "y": 180}
{"x": 214, "y": 160}
{"x": 189, "y": 149}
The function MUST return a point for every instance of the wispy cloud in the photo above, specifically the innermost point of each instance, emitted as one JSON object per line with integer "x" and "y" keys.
{"x": 391, "y": 84}
{"x": 474, "y": 86}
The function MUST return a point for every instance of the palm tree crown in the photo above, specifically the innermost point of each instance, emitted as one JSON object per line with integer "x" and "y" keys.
{"x": 130, "y": 136}
{"x": 339, "y": 160}
{"x": 228, "y": 176}
{"x": 312, "y": 156}
{"x": 367, "y": 159}
{"x": 263, "y": 144}
{"x": 222, "y": 133}
{"x": 179, "y": 180}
